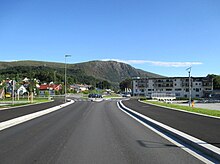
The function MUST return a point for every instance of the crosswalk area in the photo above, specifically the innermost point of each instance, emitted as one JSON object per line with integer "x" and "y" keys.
{"x": 85, "y": 100}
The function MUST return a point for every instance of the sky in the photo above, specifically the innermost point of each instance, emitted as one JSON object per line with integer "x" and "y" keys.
{"x": 160, "y": 36}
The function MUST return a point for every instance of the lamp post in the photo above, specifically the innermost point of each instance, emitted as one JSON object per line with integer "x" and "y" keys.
{"x": 66, "y": 56}
{"x": 190, "y": 94}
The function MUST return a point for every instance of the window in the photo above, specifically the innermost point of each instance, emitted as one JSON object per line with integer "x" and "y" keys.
{"x": 178, "y": 89}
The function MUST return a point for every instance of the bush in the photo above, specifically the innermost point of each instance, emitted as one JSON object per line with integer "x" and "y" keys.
{"x": 85, "y": 92}
{"x": 46, "y": 93}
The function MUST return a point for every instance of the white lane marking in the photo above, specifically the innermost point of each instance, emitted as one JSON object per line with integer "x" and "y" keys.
{"x": 193, "y": 153}
{"x": 19, "y": 120}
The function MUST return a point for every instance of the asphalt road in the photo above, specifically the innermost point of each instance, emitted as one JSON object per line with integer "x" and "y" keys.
{"x": 87, "y": 132}
{"x": 11, "y": 113}
{"x": 201, "y": 127}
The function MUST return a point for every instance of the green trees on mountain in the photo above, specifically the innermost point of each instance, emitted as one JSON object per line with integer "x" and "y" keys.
{"x": 49, "y": 74}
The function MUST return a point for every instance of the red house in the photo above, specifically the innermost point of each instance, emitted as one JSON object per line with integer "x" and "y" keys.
{"x": 51, "y": 88}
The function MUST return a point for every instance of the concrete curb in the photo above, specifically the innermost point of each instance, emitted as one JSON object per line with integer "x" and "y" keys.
{"x": 21, "y": 119}
{"x": 207, "y": 149}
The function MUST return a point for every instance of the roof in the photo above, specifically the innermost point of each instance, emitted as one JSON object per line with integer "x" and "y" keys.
{"x": 50, "y": 86}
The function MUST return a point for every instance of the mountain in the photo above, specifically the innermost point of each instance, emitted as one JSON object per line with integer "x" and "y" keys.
{"x": 86, "y": 72}
{"x": 112, "y": 71}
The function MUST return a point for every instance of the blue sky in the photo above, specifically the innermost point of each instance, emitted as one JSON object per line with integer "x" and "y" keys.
{"x": 160, "y": 36}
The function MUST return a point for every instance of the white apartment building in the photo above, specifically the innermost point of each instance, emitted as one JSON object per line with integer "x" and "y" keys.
{"x": 200, "y": 86}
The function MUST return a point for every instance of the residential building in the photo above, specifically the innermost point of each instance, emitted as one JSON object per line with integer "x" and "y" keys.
{"x": 50, "y": 88}
{"x": 80, "y": 87}
{"x": 200, "y": 86}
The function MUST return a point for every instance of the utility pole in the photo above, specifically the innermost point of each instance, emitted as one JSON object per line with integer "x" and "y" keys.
{"x": 67, "y": 55}
{"x": 13, "y": 93}
{"x": 190, "y": 93}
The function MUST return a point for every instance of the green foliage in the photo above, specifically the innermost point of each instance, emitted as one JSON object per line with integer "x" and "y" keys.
{"x": 216, "y": 80}
{"x": 85, "y": 92}
{"x": 110, "y": 73}
{"x": 46, "y": 93}
{"x": 103, "y": 84}
{"x": 125, "y": 84}
{"x": 57, "y": 92}
{"x": 46, "y": 74}
{"x": 143, "y": 98}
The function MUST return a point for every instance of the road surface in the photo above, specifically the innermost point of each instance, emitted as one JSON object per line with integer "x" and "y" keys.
{"x": 87, "y": 132}
{"x": 201, "y": 127}
{"x": 11, "y": 113}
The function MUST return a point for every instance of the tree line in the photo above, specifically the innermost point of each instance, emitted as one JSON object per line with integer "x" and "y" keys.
{"x": 48, "y": 74}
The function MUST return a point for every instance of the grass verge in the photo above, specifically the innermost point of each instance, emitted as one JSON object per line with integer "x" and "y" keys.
{"x": 21, "y": 102}
{"x": 209, "y": 112}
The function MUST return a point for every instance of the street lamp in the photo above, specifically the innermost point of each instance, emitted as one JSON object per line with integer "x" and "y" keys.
{"x": 66, "y": 56}
{"x": 190, "y": 94}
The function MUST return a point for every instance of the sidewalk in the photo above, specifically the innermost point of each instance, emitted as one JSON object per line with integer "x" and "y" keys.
{"x": 212, "y": 106}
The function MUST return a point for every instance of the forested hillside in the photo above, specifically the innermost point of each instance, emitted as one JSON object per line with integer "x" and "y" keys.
{"x": 110, "y": 73}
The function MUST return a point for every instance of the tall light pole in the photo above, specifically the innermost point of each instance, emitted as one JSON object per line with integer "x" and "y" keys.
{"x": 66, "y": 56}
{"x": 190, "y": 93}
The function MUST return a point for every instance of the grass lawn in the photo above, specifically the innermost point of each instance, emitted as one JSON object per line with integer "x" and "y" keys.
{"x": 186, "y": 108}
{"x": 112, "y": 96}
{"x": 8, "y": 102}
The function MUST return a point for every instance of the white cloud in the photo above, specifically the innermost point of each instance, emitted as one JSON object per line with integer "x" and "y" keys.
{"x": 157, "y": 63}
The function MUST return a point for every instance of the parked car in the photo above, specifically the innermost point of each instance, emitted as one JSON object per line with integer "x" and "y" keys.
{"x": 93, "y": 95}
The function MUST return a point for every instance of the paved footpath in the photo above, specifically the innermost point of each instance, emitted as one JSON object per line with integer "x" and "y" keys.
{"x": 212, "y": 106}
{"x": 201, "y": 127}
